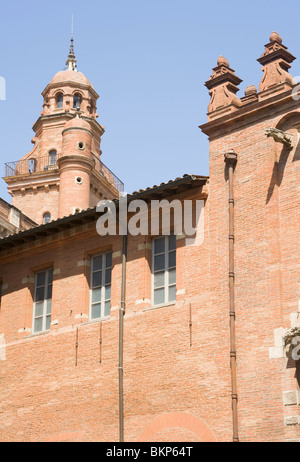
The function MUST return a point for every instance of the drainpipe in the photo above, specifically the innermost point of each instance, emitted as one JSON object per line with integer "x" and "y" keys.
{"x": 121, "y": 340}
{"x": 231, "y": 159}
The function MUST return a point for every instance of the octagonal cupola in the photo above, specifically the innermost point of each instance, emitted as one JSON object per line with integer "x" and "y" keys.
{"x": 70, "y": 91}
{"x": 63, "y": 172}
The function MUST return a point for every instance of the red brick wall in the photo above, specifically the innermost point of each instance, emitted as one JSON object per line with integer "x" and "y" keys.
{"x": 47, "y": 395}
{"x": 267, "y": 223}
{"x": 37, "y": 203}
{"x": 163, "y": 372}
{"x": 177, "y": 378}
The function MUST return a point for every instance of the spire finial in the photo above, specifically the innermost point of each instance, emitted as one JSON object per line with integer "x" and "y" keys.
{"x": 71, "y": 61}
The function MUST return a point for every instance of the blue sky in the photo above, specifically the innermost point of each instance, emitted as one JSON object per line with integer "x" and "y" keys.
{"x": 147, "y": 60}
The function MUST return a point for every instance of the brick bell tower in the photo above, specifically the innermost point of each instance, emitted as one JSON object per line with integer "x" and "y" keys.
{"x": 63, "y": 173}
{"x": 255, "y": 211}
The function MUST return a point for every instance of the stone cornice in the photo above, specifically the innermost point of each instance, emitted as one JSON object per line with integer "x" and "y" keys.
{"x": 282, "y": 96}
{"x": 81, "y": 129}
{"x": 35, "y": 177}
{"x": 70, "y": 83}
{"x": 67, "y": 162}
{"x": 62, "y": 118}
{"x": 7, "y": 225}
{"x": 101, "y": 180}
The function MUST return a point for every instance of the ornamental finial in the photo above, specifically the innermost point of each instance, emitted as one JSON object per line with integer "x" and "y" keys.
{"x": 71, "y": 61}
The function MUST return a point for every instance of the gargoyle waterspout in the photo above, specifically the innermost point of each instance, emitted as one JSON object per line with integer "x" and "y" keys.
{"x": 280, "y": 137}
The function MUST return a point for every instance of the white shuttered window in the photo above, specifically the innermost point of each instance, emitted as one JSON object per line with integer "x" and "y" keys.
{"x": 164, "y": 270}
{"x": 100, "y": 287}
{"x": 42, "y": 301}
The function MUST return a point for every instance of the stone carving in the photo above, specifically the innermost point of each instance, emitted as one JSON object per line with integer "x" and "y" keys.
{"x": 291, "y": 341}
{"x": 280, "y": 137}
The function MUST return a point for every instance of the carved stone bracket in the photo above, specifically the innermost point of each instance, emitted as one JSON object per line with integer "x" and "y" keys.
{"x": 280, "y": 137}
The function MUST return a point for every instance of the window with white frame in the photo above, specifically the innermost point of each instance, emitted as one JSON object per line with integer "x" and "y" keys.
{"x": 100, "y": 287}
{"x": 164, "y": 270}
{"x": 42, "y": 300}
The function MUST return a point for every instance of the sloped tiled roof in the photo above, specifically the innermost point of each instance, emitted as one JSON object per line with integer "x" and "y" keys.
{"x": 178, "y": 185}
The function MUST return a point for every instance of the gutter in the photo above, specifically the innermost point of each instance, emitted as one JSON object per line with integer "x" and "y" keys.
{"x": 230, "y": 160}
{"x": 121, "y": 340}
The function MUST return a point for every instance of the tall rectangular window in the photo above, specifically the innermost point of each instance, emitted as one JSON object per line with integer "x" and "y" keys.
{"x": 164, "y": 270}
{"x": 52, "y": 157}
{"x": 42, "y": 300}
{"x": 100, "y": 292}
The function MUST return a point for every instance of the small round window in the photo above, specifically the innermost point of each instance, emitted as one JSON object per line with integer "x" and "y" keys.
{"x": 79, "y": 180}
{"x": 81, "y": 145}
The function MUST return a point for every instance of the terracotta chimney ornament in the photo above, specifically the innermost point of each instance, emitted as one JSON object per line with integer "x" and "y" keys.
{"x": 223, "y": 86}
{"x": 276, "y": 63}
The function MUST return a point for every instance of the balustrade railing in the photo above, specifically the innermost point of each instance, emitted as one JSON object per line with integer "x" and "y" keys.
{"x": 29, "y": 166}
{"x": 108, "y": 174}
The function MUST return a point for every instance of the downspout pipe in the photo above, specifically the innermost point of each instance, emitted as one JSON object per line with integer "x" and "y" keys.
{"x": 121, "y": 340}
{"x": 231, "y": 160}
